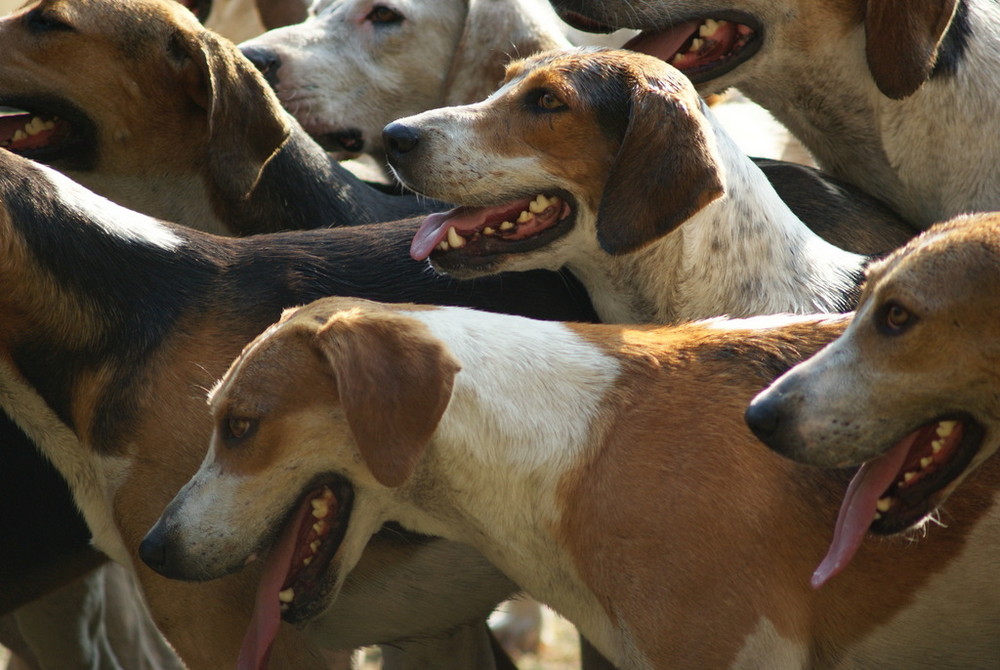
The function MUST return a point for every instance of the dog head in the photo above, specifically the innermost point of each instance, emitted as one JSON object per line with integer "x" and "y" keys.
{"x": 317, "y": 423}
{"x": 722, "y": 43}
{"x": 910, "y": 387}
{"x": 109, "y": 90}
{"x": 355, "y": 65}
{"x": 580, "y": 152}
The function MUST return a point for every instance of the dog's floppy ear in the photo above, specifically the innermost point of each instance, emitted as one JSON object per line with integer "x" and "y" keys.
{"x": 664, "y": 173}
{"x": 394, "y": 380}
{"x": 902, "y": 39}
{"x": 496, "y": 32}
{"x": 246, "y": 125}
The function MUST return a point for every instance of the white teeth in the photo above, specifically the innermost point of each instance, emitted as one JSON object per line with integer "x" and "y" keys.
{"x": 678, "y": 57}
{"x": 525, "y": 216}
{"x": 908, "y": 476}
{"x": 250, "y": 559}
{"x": 320, "y": 508}
{"x": 927, "y": 460}
{"x": 454, "y": 239}
{"x": 286, "y": 596}
{"x": 488, "y": 231}
{"x": 443, "y": 246}
{"x": 506, "y": 225}
{"x": 314, "y": 545}
{"x": 20, "y": 135}
{"x": 883, "y": 504}
{"x": 944, "y": 428}
{"x": 538, "y": 205}
{"x": 696, "y": 44}
{"x": 307, "y": 560}
{"x": 319, "y": 526}
{"x": 937, "y": 445}
{"x": 878, "y": 515}
{"x": 708, "y": 28}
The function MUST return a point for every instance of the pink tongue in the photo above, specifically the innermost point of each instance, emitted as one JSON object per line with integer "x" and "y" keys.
{"x": 466, "y": 219}
{"x": 256, "y": 647}
{"x": 858, "y": 508}
{"x": 663, "y": 44}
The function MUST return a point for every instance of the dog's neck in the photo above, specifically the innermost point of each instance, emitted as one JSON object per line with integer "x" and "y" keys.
{"x": 744, "y": 254}
{"x": 928, "y": 155}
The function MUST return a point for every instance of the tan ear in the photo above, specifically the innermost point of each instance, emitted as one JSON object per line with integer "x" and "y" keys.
{"x": 664, "y": 173}
{"x": 902, "y": 39}
{"x": 394, "y": 380}
{"x": 246, "y": 124}
{"x": 496, "y": 32}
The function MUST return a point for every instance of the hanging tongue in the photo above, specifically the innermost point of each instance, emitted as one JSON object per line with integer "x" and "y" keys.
{"x": 256, "y": 647}
{"x": 858, "y": 509}
{"x": 664, "y": 44}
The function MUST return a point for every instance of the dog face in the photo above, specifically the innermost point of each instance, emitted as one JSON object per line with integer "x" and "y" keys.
{"x": 315, "y": 423}
{"x": 729, "y": 43}
{"x": 912, "y": 382}
{"x": 109, "y": 98}
{"x": 579, "y": 153}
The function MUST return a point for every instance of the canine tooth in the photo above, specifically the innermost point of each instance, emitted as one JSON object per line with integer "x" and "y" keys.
{"x": 506, "y": 225}
{"x": 944, "y": 428}
{"x": 937, "y": 445}
{"x": 696, "y": 44}
{"x": 20, "y": 135}
{"x": 883, "y": 504}
{"x": 286, "y": 596}
{"x": 525, "y": 216}
{"x": 443, "y": 246}
{"x": 454, "y": 239}
{"x": 488, "y": 231}
{"x": 925, "y": 461}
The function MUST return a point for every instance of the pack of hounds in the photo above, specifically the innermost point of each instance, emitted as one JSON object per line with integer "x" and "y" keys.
{"x": 401, "y": 309}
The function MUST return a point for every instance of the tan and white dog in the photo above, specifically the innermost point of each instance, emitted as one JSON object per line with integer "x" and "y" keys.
{"x": 911, "y": 387}
{"x": 891, "y": 95}
{"x": 607, "y": 163}
{"x": 355, "y": 65}
{"x": 606, "y": 469}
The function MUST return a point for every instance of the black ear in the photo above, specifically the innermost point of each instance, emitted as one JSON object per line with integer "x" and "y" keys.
{"x": 246, "y": 124}
{"x": 901, "y": 41}
{"x": 665, "y": 170}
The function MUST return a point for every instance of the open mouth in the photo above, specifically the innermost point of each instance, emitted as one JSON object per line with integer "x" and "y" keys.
{"x": 44, "y": 132}
{"x": 900, "y": 488}
{"x": 476, "y": 236}
{"x": 351, "y": 141}
{"x": 295, "y": 578}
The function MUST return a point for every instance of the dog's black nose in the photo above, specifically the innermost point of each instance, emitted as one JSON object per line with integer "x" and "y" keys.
{"x": 400, "y": 139}
{"x": 763, "y": 417}
{"x": 266, "y": 60}
{"x": 153, "y": 550}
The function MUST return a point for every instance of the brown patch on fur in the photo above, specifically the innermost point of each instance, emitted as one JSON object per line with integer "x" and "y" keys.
{"x": 666, "y": 477}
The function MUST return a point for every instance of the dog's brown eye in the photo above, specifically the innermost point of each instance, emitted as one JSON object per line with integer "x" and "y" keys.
{"x": 894, "y": 318}
{"x": 238, "y": 428}
{"x": 549, "y": 101}
{"x": 383, "y": 14}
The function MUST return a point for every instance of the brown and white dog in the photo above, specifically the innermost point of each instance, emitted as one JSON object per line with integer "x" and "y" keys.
{"x": 910, "y": 387}
{"x": 115, "y": 323}
{"x": 140, "y": 103}
{"x": 355, "y": 65}
{"x": 891, "y": 95}
{"x": 639, "y": 194}
{"x": 606, "y": 469}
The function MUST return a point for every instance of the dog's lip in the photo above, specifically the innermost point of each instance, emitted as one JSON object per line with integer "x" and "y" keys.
{"x": 487, "y": 233}
{"x": 585, "y": 23}
{"x": 349, "y": 141}
{"x": 74, "y": 135}
{"x": 897, "y": 490}
{"x": 665, "y": 42}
